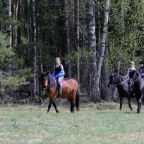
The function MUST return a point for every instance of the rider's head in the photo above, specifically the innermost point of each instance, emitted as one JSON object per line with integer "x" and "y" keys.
{"x": 58, "y": 61}
{"x": 132, "y": 63}
{"x": 142, "y": 65}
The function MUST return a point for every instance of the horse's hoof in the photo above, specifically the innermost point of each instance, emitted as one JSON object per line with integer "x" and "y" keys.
{"x": 131, "y": 108}
{"x": 138, "y": 111}
{"x": 57, "y": 111}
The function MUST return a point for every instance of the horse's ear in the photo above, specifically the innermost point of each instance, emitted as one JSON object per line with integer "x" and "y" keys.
{"x": 111, "y": 75}
{"x": 42, "y": 74}
{"x": 46, "y": 73}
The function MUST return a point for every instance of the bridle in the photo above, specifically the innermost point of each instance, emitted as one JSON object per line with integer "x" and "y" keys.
{"x": 50, "y": 82}
{"x": 120, "y": 82}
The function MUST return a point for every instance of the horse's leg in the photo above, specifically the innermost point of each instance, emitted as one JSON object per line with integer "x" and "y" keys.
{"x": 138, "y": 104}
{"x": 55, "y": 106}
{"x": 129, "y": 102}
{"x": 77, "y": 100}
{"x": 121, "y": 101}
{"x": 72, "y": 105}
{"x": 49, "y": 105}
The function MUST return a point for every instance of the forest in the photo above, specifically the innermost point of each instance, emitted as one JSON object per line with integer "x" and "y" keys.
{"x": 93, "y": 38}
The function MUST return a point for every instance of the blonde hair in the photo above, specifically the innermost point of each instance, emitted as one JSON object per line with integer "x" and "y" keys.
{"x": 58, "y": 58}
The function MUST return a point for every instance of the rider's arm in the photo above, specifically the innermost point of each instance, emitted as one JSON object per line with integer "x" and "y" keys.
{"x": 62, "y": 68}
{"x": 53, "y": 74}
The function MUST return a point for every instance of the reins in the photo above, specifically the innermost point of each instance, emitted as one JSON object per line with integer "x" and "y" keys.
{"x": 136, "y": 79}
{"x": 51, "y": 82}
{"x": 120, "y": 82}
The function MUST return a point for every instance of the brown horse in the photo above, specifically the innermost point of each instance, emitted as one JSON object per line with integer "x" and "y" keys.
{"x": 69, "y": 91}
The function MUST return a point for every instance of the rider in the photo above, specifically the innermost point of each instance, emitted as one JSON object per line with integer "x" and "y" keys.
{"x": 141, "y": 69}
{"x": 59, "y": 73}
{"x": 131, "y": 69}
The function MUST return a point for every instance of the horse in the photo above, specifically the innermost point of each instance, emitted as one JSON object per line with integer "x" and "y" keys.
{"x": 121, "y": 82}
{"x": 138, "y": 88}
{"x": 70, "y": 90}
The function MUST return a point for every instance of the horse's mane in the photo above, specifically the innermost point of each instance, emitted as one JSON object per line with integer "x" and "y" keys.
{"x": 46, "y": 73}
{"x": 120, "y": 77}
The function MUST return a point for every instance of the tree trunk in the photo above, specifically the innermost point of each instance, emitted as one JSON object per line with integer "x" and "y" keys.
{"x": 103, "y": 47}
{"x": 16, "y": 8}
{"x": 39, "y": 54}
{"x": 67, "y": 36}
{"x": 77, "y": 27}
{"x": 92, "y": 46}
{"x": 34, "y": 39}
{"x": 9, "y": 29}
{"x": 19, "y": 17}
{"x": 105, "y": 92}
{"x": 1, "y": 5}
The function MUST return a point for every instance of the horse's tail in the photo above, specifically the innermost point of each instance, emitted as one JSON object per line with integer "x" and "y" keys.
{"x": 77, "y": 99}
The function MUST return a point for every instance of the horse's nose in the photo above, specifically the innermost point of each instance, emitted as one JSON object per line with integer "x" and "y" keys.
{"x": 43, "y": 86}
{"x": 46, "y": 83}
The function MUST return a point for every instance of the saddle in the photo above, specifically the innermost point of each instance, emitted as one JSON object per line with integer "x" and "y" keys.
{"x": 64, "y": 84}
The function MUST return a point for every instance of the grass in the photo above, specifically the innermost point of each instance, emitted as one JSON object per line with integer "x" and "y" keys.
{"x": 95, "y": 123}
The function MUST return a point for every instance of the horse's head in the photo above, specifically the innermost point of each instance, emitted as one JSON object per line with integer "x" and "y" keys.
{"x": 115, "y": 79}
{"x": 47, "y": 79}
{"x": 110, "y": 80}
{"x": 44, "y": 79}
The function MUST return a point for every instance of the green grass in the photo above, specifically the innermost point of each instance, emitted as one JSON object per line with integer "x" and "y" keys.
{"x": 94, "y": 124}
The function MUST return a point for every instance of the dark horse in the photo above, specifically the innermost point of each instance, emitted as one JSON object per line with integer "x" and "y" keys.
{"x": 69, "y": 91}
{"x": 123, "y": 88}
{"x": 138, "y": 87}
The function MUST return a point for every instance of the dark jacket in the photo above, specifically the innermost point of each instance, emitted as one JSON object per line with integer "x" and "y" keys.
{"x": 141, "y": 70}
